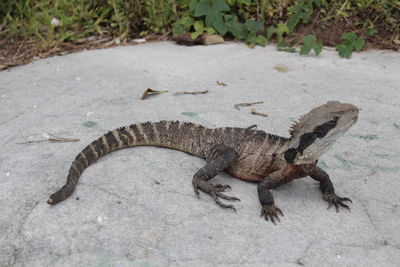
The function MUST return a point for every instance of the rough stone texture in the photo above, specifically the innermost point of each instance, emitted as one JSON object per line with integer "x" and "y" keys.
{"x": 136, "y": 207}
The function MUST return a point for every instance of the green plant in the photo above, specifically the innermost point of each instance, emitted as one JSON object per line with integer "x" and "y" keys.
{"x": 279, "y": 31}
{"x": 369, "y": 27}
{"x": 253, "y": 28}
{"x": 182, "y": 26}
{"x": 351, "y": 42}
{"x": 157, "y": 15}
{"x": 284, "y": 47}
{"x": 216, "y": 16}
{"x": 199, "y": 29}
{"x": 301, "y": 11}
{"x": 213, "y": 11}
{"x": 310, "y": 43}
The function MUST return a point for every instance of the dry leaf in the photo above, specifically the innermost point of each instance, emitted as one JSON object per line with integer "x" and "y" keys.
{"x": 300, "y": 262}
{"x": 255, "y": 112}
{"x": 221, "y": 83}
{"x": 246, "y": 104}
{"x": 281, "y": 68}
{"x": 150, "y": 91}
{"x": 192, "y": 93}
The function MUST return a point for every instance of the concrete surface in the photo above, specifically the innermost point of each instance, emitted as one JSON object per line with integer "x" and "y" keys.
{"x": 136, "y": 207}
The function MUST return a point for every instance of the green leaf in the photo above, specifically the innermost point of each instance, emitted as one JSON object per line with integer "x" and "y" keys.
{"x": 283, "y": 28}
{"x": 244, "y": 2}
{"x": 349, "y": 36}
{"x": 261, "y": 40}
{"x": 282, "y": 46}
{"x": 192, "y": 5}
{"x": 201, "y": 8}
{"x": 271, "y": 30}
{"x": 317, "y": 48}
{"x": 210, "y": 31}
{"x": 177, "y": 29}
{"x": 371, "y": 31}
{"x": 351, "y": 42}
{"x": 220, "y": 5}
{"x": 358, "y": 43}
{"x": 309, "y": 40}
{"x": 344, "y": 50}
{"x": 310, "y": 43}
{"x": 235, "y": 27}
{"x": 198, "y": 26}
{"x": 301, "y": 11}
{"x": 254, "y": 26}
{"x": 213, "y": 11}
{"x": 182, "y": 26}
{"x": 194, "y": 35}
{"x": 251, "y": 40}
{"x": 305, "y": 50}
{"x": 305, "y": 17}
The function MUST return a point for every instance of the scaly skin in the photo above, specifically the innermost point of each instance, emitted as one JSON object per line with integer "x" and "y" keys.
{"x": 250, "y": 155}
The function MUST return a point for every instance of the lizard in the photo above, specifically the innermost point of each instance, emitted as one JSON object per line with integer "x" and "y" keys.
{"x": 244, "y": 153}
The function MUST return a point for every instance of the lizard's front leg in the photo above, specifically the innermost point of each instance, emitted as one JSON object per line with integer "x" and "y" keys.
{"x": 327, "y": 189}
{"x": 269, "y": 209}
{"x": 219, "y": 158}
{"x": 285, "y": 175}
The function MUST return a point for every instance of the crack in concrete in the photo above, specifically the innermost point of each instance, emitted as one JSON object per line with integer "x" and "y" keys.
{"x": 365, "y": 246}
{"x": 17, "y": 248}
{"x": 12, "y": 118}
{"x": 371, "y": 220}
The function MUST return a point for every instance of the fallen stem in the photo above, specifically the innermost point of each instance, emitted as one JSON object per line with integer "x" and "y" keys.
{"x": 255, "y": 112}
{"x": 247, "y": 104}
{"x": 192, "y": 93}
{"x": 52, "y": 139}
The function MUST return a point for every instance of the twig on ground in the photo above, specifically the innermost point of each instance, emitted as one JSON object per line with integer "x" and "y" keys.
{"x": 255, "y": 112}
{"x": 237, "y": 106}
{"x": 52, "y": 139}
{"x": 192, "y": 93}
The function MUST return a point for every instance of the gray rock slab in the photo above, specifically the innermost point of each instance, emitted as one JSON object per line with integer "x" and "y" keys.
{"x": 136, "y": 207}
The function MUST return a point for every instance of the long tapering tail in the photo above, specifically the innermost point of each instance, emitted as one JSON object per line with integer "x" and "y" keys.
{"x": 181, "y": 136}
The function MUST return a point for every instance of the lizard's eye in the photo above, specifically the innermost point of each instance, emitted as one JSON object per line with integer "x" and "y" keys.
{"x": 335, "y": 118}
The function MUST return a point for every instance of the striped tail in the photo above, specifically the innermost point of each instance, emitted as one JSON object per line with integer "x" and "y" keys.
{"x": 183, "y": 136}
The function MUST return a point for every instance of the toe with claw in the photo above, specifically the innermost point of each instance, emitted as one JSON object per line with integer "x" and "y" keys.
{"x": 270, "y": 212}
{"x": 337, "y": 201}
{"x": 215, "y": 191}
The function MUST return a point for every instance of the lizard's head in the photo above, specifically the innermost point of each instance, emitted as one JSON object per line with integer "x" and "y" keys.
{"x": 318, "y": 130}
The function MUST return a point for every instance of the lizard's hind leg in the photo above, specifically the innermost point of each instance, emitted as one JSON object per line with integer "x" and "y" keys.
{"x": 219, "y": 158}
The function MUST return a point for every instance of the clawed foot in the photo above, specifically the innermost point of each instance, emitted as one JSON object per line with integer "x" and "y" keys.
{"x": 332, "y": 198}
{"x": 215, "y": 191}
{"x": 271, "y": 212}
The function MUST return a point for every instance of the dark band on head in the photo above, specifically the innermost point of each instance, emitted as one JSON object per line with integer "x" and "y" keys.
{"x": 308, "y": 139}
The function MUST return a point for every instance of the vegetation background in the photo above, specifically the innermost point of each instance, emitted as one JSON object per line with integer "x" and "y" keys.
{"x": 41, "y": 28}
